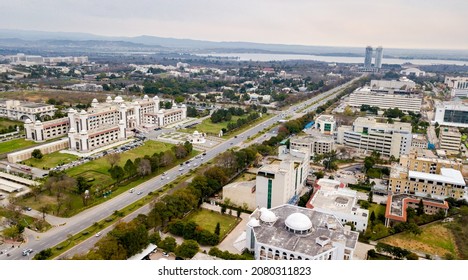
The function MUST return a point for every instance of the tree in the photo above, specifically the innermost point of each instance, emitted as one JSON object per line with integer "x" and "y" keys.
{"x": 187, "y": 249}
{"x": 370, "y": 197}
{"x": 169, "y": 244}
{"x": 44, "y": 254}
{"x": 110, "y": 249}
{"x": 130, "y": 168}
{"x": 372, "y": 217}
{"x": 37, "y": 154}
{"x": 82, "y": 184}
{"x": 223, "y": 209}
{"x": 117, "y": 173}
{"x": 144, "y": 167}
{"x": 113, "y": 159}
{"x": 420, "y": 208}
{"x": 217, "y": 229}
{"x": 44, "y": 209}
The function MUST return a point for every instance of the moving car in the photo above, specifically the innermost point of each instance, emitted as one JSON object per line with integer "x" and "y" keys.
{"x": 140, "y": 192}
{"x": 98, "y": 234}
{"x": 27, "y": 252}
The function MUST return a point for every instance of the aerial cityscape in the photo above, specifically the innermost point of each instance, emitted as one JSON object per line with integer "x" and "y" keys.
{"x": 201, "y": 140}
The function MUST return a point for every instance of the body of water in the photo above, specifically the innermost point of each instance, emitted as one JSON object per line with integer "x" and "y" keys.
{"x": 330, "y": 59}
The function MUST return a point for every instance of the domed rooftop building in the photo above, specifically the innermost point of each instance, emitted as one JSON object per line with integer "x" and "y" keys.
{"x": 289, "y": 232}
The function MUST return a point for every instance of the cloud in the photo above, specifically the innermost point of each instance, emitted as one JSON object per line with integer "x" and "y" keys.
{"x": 396, "y": 23}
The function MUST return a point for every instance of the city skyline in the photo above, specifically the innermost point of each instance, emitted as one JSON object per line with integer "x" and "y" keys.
{"x": 399, "y": 24}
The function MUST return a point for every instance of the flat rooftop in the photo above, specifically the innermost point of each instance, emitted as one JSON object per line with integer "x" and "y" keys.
{"x": 278, "y": 236}
{"x": 447, "y": 175}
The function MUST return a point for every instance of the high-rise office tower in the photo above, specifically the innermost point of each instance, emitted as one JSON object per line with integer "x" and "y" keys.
{"x": 378, "y": 57}
{"x": 368, "y": 58}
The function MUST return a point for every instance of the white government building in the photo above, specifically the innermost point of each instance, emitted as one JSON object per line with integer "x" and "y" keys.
{"x": 22, "y": 110}
{"x": 333, "y": 198}
{"x": 366, "y": 134}
{"x": 105, "y": 123}
{"x": 451, "y": 114}
{"x": 289, "y": 232}
{"x": 282, "y": 179}
{"x": 458, "y": 85}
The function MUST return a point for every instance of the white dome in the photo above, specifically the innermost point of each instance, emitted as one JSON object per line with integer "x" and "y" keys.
{"x": 298, "y": 222}
{"x": 83, "y": 132}
{"x": 118, "y": 99}
{"x": 253, "y": 223}
{"x": 145, "y": 97}
{"x": 196, "y": 132}
{"x": 71, "y": 110}
{"x": 72, "y": 130}
{"x": 182, "y": 106}
{"x": 27, "y": 121}
{"x": 123, "y": 106}
{"x": 83, "y": 112}
{"x": 155, "y": 97}
{"x": 38, "y": 122}
{"x": 94, "y": 100}
{"x": 108, "y": 99}
{"x": 267, "y": 216}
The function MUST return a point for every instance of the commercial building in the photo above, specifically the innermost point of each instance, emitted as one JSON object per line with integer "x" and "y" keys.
{"x": 448, "y": 182}
{"x": 366, "y": 134}
{"x": 332, "y": 197}
{"x": 288, "y": 232}
{"x": 450, "y": 140}
{"x": 404, "y": 102}
{"x": 282, "y": 179}
{"x": 314, "y": 143}
{"x": 403, "y": 85}
{"x": 413, "y": 72}
{"x": 458, "y": 86}
{"x": 21, "y": 110}
{"x": 326, "y": 124}
{"x": 452, "y": 114}
{"x": 105, "y": 123}
{"x": 397, "y": 205}
{"x": 370, "y": 53}
{"x": 416, "y": 161}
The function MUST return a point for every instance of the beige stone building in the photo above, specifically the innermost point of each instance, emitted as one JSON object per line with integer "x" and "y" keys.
{"x": 450, "y": 140}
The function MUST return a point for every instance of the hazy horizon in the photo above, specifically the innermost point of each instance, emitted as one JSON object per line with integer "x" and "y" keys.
{"x": 413, "y": 24}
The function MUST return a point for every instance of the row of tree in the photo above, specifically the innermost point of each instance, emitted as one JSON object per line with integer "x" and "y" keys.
{"x": 191, "y": 230}
{"x": 222, "y": 115}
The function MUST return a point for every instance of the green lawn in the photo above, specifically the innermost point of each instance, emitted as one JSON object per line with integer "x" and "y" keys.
{"x": 50, "y": 160}
{"x": 5, "y": 123}
{"x": 435, "y": 239}
{"x": 377, "y": 208}
{"x": 102, "y": 181}
{"x": 101, "y": 165}
{"x": 25, "y": 220}
{"x": 206, "y": 126}
{"x": 208, "y": 219}
{"x": 12, "y": 145}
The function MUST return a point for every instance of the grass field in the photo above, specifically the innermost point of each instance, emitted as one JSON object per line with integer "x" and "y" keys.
{"x": 377, "y": 208}
{"x": 5, "y": 123}
{"x": 25, "y": 220}
{"x": 98, "y": 169}
{"x": 208, "y": 219}
{"x": 207, "y": 126}
{"x": 9, "y": 146}
{"x": 50, "y": 160}
{"x": 435, "y": 239}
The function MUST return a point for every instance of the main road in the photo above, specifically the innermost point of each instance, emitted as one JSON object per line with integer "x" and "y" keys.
{"x": 88, "y": 217}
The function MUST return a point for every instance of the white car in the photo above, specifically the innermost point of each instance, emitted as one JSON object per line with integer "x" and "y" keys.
{"x": 98, "y": 234}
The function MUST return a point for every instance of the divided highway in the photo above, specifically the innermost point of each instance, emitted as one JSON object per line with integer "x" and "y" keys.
{"x": 88, "y": 217}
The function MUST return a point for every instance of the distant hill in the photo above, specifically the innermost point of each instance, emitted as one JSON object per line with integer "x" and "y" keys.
{"x": 70, "y": 40}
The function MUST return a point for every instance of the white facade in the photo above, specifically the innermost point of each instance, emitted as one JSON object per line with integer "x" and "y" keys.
{"x": 367, "y": 134}
{"x": 450, "y": 139}
{"x": 21, "y": 110}
{"x": 402, "y": 84}
{"x": 326, "y": 124}
{"x": 413, "y": 71}
{"x": 404, "y": 102}
{"x": 333, "y": 198}
{"x": 282, "y": 180}
{"x": 314, "y": 143}
{"x": 451, "y": 114}
{"x": 288, "y": 232}
{"x": 105, "y": 123}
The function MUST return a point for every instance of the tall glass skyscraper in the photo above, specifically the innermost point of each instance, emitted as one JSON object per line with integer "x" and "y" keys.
{"x": 378, "y": 57}
{"x": 368, "y": 58}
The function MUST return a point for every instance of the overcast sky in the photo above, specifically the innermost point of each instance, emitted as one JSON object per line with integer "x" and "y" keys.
{"x": 390, "y": 23}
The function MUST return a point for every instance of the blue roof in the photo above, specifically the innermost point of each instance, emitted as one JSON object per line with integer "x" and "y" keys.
{"x": 309, "y": 125}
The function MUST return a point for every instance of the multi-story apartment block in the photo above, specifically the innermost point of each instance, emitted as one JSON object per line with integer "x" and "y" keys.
{"x": 105, "y": 123}
{"x": 450, "y": 139}
{"x": 21, "y": 110}
{"x": 282, "y": 179}
{"x": 452, "y": 114}
{"x": 289, "y": 232}
{"x": 448, "y": 182}
{"x": 367, "y": 134}
{"x": 419, "y": 141}
{"x": 314, "y": 143}
{"x": 326, "y": 124}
